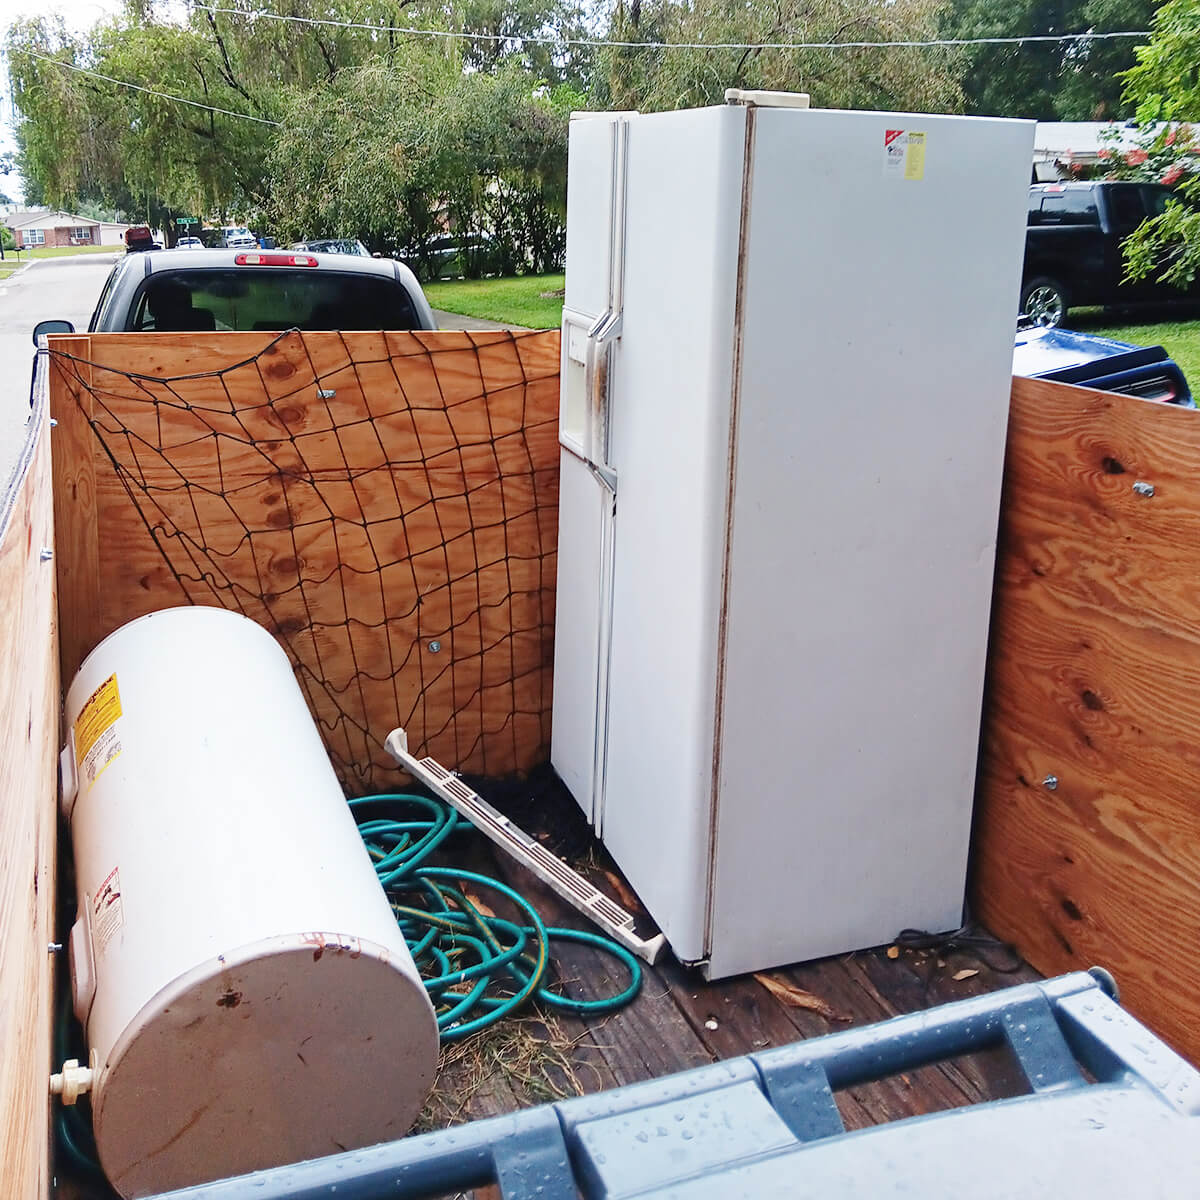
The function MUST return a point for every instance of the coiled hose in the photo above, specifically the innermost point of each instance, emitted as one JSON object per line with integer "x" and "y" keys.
{"x": 478, "y": 968}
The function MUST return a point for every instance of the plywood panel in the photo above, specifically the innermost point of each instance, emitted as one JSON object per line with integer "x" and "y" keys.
{"x": 75, "y": 500}
{"x": 28, "y": 738}
{"x": 1094, "y": 680}
{"x": 385, "y": 504}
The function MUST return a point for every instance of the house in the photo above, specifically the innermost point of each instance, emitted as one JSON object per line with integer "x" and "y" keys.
{"x": 44, "y": 227}
{"x": 112, "y": 233}
{"x": 1060, "y": 148}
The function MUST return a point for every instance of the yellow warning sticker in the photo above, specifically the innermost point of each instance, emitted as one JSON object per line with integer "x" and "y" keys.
{"x": 914, "y": 160}
{"x": 903, "y": 154}
{"x": 96, "y": 741}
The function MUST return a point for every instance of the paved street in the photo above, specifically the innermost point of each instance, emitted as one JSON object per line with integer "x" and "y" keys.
{"x": 50, "y": 287}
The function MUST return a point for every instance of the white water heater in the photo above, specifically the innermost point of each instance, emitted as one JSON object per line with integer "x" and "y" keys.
{"x": 248, "y": 997}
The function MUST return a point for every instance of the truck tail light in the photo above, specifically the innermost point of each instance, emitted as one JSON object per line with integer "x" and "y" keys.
{"x": 1160, "y": 389}
{"x": 275, "y": 260}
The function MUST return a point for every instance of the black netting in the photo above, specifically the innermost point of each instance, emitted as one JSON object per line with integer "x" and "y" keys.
{"x": 386, "y": 505}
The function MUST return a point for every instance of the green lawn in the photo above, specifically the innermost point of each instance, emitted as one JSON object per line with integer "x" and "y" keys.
{"x": 1180, "y": 339}
{"x": 62, "y": 251}
{"x": 534, "y": 301}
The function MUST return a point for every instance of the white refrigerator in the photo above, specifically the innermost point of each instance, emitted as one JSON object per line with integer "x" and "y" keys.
{"x": 787, "y": 345}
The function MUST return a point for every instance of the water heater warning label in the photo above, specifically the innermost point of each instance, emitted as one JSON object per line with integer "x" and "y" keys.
{"x": 108, "y": 913}
{"x": 903, "y": 154}
{"x": 96, "y": 741}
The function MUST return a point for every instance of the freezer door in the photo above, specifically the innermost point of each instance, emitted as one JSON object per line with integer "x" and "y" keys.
{"x": 880, "y": 289}
{"x": 582, "y": 628}
{"x": 591, "y": 325}
{"x": 595, "y": 274}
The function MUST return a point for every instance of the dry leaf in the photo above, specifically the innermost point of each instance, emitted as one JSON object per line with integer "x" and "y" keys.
{"x": 624, "y": 895}
{"x": 965, "y": 974}
{"x": 794, "y": 997}
{"x": 893, "y": 952}
{"x": 484, "y": 911}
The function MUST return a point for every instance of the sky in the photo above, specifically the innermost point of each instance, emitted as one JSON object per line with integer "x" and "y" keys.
{"x": 78, "y": 14}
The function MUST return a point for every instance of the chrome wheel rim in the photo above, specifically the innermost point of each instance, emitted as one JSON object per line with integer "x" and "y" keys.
{"x": 1044, "y": 306}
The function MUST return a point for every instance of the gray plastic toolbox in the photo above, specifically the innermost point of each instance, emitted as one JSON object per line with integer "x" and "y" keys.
{"x": 1112, "y": 1112}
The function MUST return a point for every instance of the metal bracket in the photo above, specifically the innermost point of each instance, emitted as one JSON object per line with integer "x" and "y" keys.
{"x": 531, "y": 854}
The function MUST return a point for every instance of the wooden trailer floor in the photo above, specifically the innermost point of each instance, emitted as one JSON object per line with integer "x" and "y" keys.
{"x": 679, "y": 1021}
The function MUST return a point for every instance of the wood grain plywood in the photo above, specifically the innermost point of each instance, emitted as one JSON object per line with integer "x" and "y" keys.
{"x": 28, "y": 761}
{"x": 385, "y": 504}
{"x": 1094, "y": 680}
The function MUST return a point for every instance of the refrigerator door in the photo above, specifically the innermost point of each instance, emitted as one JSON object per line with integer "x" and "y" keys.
{"x": 581, "y": 632}
{"x": 879, "y": 297}
{"x": 671, "y": 388}
{"x": 591, "y": 323}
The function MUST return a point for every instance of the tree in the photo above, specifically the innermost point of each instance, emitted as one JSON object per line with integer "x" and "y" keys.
{"x": 164, "y": 148}
{"x": 1165, "y": 82}
{"x": 83, "y": 137}
{"x": 1165, "y": 86}
{"x": 397, "y": 153}
{"x": 660, "y": 77}
{"x": 1048, "y": 81}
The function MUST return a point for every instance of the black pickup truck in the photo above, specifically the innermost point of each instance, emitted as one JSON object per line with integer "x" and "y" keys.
{"x": 1073, "y": 248}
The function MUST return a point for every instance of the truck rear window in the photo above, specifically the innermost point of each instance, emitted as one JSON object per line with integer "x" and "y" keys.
{"x": 1068, "y": 208}
{"x": 241, "y": 298}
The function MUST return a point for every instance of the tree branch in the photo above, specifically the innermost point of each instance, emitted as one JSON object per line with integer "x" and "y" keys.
{"x": 212, "y": 116}
{"x": 327, "y": 55}
{"x": 227, "y": 74}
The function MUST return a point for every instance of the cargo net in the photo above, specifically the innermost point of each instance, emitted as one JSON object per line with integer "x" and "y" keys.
{"x": 385, "y": 504}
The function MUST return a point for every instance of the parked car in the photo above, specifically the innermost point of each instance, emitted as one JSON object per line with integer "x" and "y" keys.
{"x": 1088, "y": 360}
{"x": 333, "y": 246}
{"x": 451, "y": 256}
{"x": 1073, "y": 248}
{"x": 237, "y": 237}
{"x": 189, "y": 243}
{"x": 255, "y": 290}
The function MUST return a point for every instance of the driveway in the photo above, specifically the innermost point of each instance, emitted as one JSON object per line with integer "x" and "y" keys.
{"x": 449, "y": 320}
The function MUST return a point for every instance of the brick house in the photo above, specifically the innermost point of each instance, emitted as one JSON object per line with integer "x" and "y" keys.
{"x": 42, "y": 227}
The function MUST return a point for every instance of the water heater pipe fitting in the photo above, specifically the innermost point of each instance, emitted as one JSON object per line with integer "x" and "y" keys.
{"x": 73, "y": 1080}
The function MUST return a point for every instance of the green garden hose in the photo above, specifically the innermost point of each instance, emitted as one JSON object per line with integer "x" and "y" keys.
{"x": 478, "y": 968}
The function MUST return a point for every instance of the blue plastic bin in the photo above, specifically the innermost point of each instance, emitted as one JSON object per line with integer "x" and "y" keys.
{"x": 1112, "y": 1112}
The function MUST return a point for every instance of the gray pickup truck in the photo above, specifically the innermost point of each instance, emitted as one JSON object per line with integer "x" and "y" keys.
{"x": 197, "y": 291}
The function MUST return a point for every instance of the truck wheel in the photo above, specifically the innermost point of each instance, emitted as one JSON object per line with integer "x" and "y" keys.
{"x": 1044, "y": 301}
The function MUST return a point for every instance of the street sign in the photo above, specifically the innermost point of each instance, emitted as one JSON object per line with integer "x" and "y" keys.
{"x": 186, "y": 221}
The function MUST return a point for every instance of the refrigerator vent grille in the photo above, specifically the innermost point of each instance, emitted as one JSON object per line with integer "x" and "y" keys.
{"x": 522, "y": 847}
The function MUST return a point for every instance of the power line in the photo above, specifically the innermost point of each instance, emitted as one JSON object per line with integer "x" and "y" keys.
{"x": 137, "y": 87}
{"x": 600, "y": 43}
